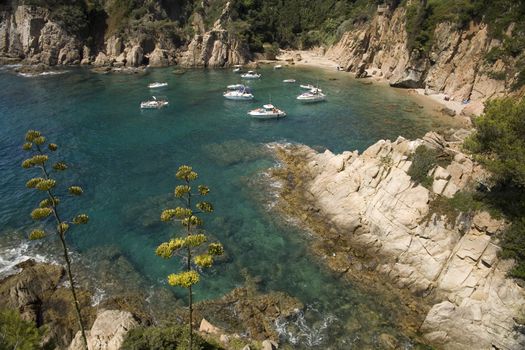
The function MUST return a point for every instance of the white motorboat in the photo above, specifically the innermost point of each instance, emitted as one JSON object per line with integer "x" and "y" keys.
{"x": 289, "y": 81}
{"x": 267, "y": 112}
{"x": 250, "y": 75}
{"x": 238, "y": 95}
{"x": 236, "y": 87}
{"x": 278, "y": 66}
{"x": 314, "y": 95}
{"x": 157, "y": 85}
{"x": 237, "y": 70}
{"x": 156, "y": 103}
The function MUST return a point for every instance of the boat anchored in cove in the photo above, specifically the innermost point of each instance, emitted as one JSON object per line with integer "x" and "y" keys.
{"x": 267, "y": 111}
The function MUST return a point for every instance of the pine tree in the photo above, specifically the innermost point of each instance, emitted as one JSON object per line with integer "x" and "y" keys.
{"x": 48, "y": 208}
{"x": 192, "y": 243}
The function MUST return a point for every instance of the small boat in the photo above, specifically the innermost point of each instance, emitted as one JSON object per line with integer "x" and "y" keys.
{"x": 236, "y": 87}
{"x": 157, "y": 85}
{"x": 279, "y": 66}
{"x": 289, "y": 81}
{"x": 307, "y": 86}
{"x": 250, "y": 75}
{"x": 267, "y": 112}
{"x": 314, "y": 95}
{"x": 236, "y": 70}
{"x": 156, "y": 103}
{"x": 238, "y": 95}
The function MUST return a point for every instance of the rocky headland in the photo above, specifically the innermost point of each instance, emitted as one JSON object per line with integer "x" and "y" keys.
{"x": 36, "y": 35}
{"x": 373, "y": 223}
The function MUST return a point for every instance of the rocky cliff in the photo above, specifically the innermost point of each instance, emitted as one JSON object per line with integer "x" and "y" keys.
{"x": 33, "y": 34}
{"x": 371, "y": 205}
{"x": 455, "y": 65}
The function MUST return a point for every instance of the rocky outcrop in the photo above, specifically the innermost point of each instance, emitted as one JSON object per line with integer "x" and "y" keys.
{"x": 27, "y": 32}
{"x": 453, "y": 265}
{"x": 36, "y": 293}
{"x": 108, "y": 331}
{"x": 216, "y": 47}
{"x": 455, "y": 65}
{"x": 32, "y": 34}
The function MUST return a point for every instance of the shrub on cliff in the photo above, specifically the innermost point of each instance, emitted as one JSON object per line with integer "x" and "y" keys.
{"x": 499, "y": 142}
{"x": 423, "y": 160}
{"x": 16, "y": 333}
{"x": 174, "y": 337}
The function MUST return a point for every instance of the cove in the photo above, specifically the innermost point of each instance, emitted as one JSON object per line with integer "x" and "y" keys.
{"x": 125, "y": 159}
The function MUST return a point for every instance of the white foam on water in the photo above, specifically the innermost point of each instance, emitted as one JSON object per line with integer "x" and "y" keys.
{"x": 12, "y": 256}
{"x": 298, "y": 331}
{"x": 33, "y": 75}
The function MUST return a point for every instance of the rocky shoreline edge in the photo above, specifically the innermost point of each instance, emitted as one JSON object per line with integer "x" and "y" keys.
{"x": 244, "y": 318}
{"x": 372, "y": 224}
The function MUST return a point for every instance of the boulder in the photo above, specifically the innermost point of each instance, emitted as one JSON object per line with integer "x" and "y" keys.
{"x": 207, "y": 327}
{"x": 269, "y": 345}
{"x": 108, "y": 331}
{"x": 158, "y": 58}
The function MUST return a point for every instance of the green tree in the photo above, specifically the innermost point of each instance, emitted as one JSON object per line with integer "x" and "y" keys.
{"x": 48, "y": 208}
{"x": 192, "y": 243}
{"x": 499, "y": 143}
{"x": 16, "y": 333}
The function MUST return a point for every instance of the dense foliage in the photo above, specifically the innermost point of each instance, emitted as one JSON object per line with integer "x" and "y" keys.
{"x": 499, "y": 144}
{"x": 423, "y": 160}
{"x": 163, "y": 338}
{"x": 16, "y": 333}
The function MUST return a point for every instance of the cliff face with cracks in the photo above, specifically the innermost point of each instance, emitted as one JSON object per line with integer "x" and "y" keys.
{"x": 371, "y": 202}
{"x": 455, "y": 65}
{"x": 32, "y": 34}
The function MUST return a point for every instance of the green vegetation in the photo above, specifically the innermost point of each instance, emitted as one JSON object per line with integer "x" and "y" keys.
{"x": 16, "y": 333}
{"x": 464, "y": 202}
{"x": 499, "y": 145}
{"x": 423, "y": 160}
{"x": 298, "y": 23}
{"x": 173, "y": 337}
{"x": 48, "y": 208}
{"x": 191, "y": 245}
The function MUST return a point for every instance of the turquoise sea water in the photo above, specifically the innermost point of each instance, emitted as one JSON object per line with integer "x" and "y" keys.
{"x": 126, "y": 159}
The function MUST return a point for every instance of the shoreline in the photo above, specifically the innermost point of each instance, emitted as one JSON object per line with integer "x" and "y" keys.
{"x": 316, "y": 59}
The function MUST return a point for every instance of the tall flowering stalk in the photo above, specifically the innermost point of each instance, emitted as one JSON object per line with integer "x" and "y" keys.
{"x": 191, "y": 243}
{"x": 48, "y": 208}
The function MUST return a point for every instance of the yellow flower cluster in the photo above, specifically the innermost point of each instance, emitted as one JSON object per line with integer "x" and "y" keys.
{"x": 195, "y": 240}
{"x": 184, "y": 279}
{"x": 27, "y": 146}
{"x": 31, "y": 135}
{"x": 81, "y": 219}
{"x": 45, "y": 185}
{"x": 192, "y": 220}
{"x": 62, "y": 227}
{"x": 52, "y": 147}
{"x": 204, "y": 260}
{"x": 182, "y": 190}
{"x": 48, "y": 203}
{"x": 40, "y": 213}
{"x": 34, "y": 181}
{"x": 60, "y": 166}
{"x": 39, "y": 159}
{"x": 206, "y": 207}
{"x": 185, "y": 172}
{"x": 40, "y": 140}
{"x": 76, "y": 190}
{"x": 37, "y": 234}
{"x": 176, "y": 243}
{"x": 215, "y": 249}
{"x": 203, "y": 190}
{"x": 163, "y": 250}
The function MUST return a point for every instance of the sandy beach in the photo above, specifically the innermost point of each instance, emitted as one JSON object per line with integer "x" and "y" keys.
{"x": 316, "y": 59}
